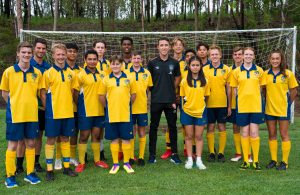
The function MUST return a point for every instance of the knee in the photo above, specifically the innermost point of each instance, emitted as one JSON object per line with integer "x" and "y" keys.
{"x": 198, "y": 138}
{"x": 188, "y": 137}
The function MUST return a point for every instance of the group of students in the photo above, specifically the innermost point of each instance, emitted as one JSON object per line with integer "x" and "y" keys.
{"x": 66, "y": 99}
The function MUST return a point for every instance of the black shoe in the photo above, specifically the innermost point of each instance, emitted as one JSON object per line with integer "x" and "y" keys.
{"x": 38, "y": 168}
{"x": 221, "y": 157}
{"x": 49, "y": 176}
{"x": 175, "y": 159}
{"x": 152, "y": 159}
{"x": 256, "y": 166}
{"x": 212, "y": 157}
{"x": 140, "y": 162}
{"x": 70, "y": 172}
{"x": 131, "y": 161}
{"x": 102, "y": 156}
{"x": 271, "y": 164}
{"x": 282, "y": 166}
{"x": 19, "y": 170}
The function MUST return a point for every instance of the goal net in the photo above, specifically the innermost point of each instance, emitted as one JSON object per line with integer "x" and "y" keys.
{"x": 262, "y": 40}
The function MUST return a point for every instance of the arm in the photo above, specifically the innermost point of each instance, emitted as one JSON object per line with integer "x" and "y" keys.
{"x": 177, "y": 81}
{"x": 75, "y": 96}
{"x": 102, "y": 100}
{"x": 133, "y": 97}
{"x": 229, "y": 98}
{"x": 5, "y": 95}
{"x": 43, "y": 97}
{"x": 293, "y": 94}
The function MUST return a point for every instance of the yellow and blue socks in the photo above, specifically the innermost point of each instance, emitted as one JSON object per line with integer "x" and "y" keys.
{"x": 73, "y": 151}
{"x": 58, "y": 150}
{"x": 114, "y": 148}
{"x": 49, "y": 153}
{"x": 65, "y": 151}
{"x": 126, "y": 152}
{"x": 10, "y": 163}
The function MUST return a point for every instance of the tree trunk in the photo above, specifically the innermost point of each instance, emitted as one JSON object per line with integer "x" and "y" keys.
{"x": 151, "y": 7}
{"x": 19, "y": 15}
{"x": 1, "y": 7}
{"x": 158, "y": 9}
{"x": 242, "y": 15}
{"x": 101, "y": 15}
{"x": 51, "y": 8}
{"x": 218, "y": 22}
{"x": 142, "y": 15}
{"x": 28, "y": 13}
{"x": 132, "y": 9}
{"x": 147, "y": 10}
{"x": 7, "y": 8}
{"x": 196, "y": 14}
{"x": 25, "y": 7}
{"x": 55, "y": 14}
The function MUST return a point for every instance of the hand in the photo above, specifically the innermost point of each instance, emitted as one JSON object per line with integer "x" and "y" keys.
{"x": 228, "y": 112}
{"x": 174, "y": 106}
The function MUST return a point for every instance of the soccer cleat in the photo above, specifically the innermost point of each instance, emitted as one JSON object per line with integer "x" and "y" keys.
{"x": 221, "y": 157}
{"x": 256, "y": 166}
{"x": 184, "y": 153}
{"x": 115, "y": 168}
{"x": 127, "y": 167}
{"x": 38, "y": 168}
{"x": 175, "y": 159}
{"x": 80, "y": 168}
{"x": 282, "y": 166}
{"x": 152, "y": 159}
{"x": 10, "y": 182}
{"x": 131, "y": 161}
{"x": 167, "y": 154}
{"x": 236, "y": 158}
{"x": 102, "y": 156}
{"x": 250, "y": 160}
{"x": 58, "y": 164}
{"x": 200, "y": 165}
{"x": 189, "y": 164}
{"x": 271, "y": 164}
{"x": 32, "y": 178}
{"x": 74, "y": 161}
{"x": 141, "y": 162}
{"x": 245, "y": 166}
{"x": 69, "y": 172}
{"x": 101, "y": 164}
{"x": 19, "y": 170}
{"x": 49, "y": 175}
{"x": 212, "y": 157}
{"x": 120, "y": 156}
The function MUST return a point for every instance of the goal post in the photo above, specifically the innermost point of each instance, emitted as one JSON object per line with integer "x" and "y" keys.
{"x": 262, "y": 40}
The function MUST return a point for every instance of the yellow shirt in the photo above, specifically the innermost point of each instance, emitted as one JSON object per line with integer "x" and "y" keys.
{"x": 183, "y": 69}
{"x": 102, "y": 66}
{"x": 59, "y": 84}
{"x": 277, "y": 92}
{"x": 22, "y": 105}
{"x": 77, "y": 69}
{"x": 193, "y": 98}
{"x": 217, "y": 78}
{"x": 248, "y": 84}
{"x": 126, "y": 66}
{"x": 118, "y": 95}
{"x": 143, "y": 80}
{"x": 88, "y": 100}
{"x": 233, "y": 98}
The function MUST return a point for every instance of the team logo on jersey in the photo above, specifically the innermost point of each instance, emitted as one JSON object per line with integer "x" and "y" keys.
{"x": 171, "y": 67}
{"x": 126, "y": 82}
{"x": 34, "y": 76}
{"x": 157, "y": 67}
{"x": 256, "y": 73}
{"x": 283, "y": 78}
{"x": 145, "y": 76}
{"x": 223, "y": 72}
{"x": 102, "y": 76}
{"x": 69, "y": 76}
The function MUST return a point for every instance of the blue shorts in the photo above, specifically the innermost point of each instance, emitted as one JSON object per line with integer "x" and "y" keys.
{"x": 60, "y": 127}
{"x": 216, "y": 115}
{"x": 19, "y": 131}
{"x": 187, "y": 119}
{"x": 87, "y": 123}
{"x": 140, "y": 119}
{"x": 122, "y": 130}
{"x": 244, "y": 119}
{"x": 277, "y": 118}
{"x": 232, "y": 117}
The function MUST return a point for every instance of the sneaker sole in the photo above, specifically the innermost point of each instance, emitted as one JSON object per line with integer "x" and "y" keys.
{"x": 33, "y": 183}
{"x": 58, "y": 168}
{"x": 172, "y": 161}
{"x": 14, "y": 186}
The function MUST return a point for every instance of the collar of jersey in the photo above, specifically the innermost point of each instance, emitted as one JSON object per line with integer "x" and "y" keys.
{"x": 272, "y": 73}
{"x": 58, "y": 68}
{"x": 253, "y": 67}
{"x": 76, "y": 66}
{"x": 89, "y": 72}
{"x": 141, "y": 69}
{"x": 33, "y": 62}
{"x": 111, "y": 75}
{"x": 18, "y": 69}
{"x": 219, "y": 67}
{"x": 103, "y": 61}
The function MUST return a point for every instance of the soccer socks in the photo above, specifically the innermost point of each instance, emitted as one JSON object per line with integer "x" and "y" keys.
{"x": 126, "y": 152}
{"x": 49, "y": 153}
{"x": 255, "y": 143}
{"x": 273, "y": 149}
{"x": 237, "y": 143}
{"x": 245, "y": 147}
{"x": 30, "y": 158}
{"x": 81, "y": 153}
{"x": 10, "y": 163}
{"x": 73, "y": 151}
{"x": 96, "y": 151}
{"x": 114, "y": 148}
{"x": 286, "y": 148}
{"x": 142, "y": 146}
{"x": 211, "y": 142}
{"x": 222, "y": 141}
{"x": 58, "y": 150}
{"x": 168, "y": 141}
{"x": 132, "y": 148}
{"x": 65, "y": 151}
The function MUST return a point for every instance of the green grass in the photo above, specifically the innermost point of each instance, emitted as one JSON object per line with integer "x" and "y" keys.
{"x": 166, "y": 178}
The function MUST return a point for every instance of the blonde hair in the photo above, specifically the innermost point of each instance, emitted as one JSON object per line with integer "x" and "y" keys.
{"x": 178, "y": 39}
{"x": 216, "y": 47}
{"x": 58, "y": 46}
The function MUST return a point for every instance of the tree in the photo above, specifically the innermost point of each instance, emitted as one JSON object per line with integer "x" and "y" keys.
{"x": 196, "y": 14}
{"x": 158, "y": 10}
{"x": 7, "y": 8}
{"x": 147, "y": 10}
{"x": 101, "y": 13}
{"x": 19, "y": 16}
{"x": 55, "y": 14}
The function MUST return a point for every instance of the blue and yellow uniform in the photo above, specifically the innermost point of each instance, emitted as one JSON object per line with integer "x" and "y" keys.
{"x": 277, "y": 94}
{"x": 59, "y": 84}
{"x": 126, "y": 66}
{"x": 183, "y": 69}
{"x": 232, "y": 117}
{"x": 208, "y": 62}
{"x": 193, "y": 103}
{"x": 102, "y": 66}
{"x": 22, "y": 105}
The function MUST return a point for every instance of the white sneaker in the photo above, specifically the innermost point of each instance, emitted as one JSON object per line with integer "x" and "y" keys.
{"x": 250, "y": 159}
{"x": 74, "y": 161}
{"x": 188, "y": 164}
{"x": 236, "y": 158}
{"x": 58, "y": 164}
{"x": 200, "y": 165}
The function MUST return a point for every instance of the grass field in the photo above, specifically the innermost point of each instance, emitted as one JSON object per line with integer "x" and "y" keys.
{"x": 166, "y": 178}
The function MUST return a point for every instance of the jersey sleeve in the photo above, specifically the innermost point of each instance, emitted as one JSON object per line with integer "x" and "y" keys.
{"x": 103, "y": 86}
{"x": 133, "y": 87}
{"x": 207, "y": 89}
{"x": 263, "y": 78}
{"x": 181, "y": 85}
{"x": 74, "y": 82}
{"x": 78, "y": 78}
{"x": 45, "y": 84}
{"x": 5, "y": 81}
{"x": 40, "y": 79}
{"x": 292, "y": 80}
{"x": 150, "y": 83}
{"x": 234, "y": 80}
